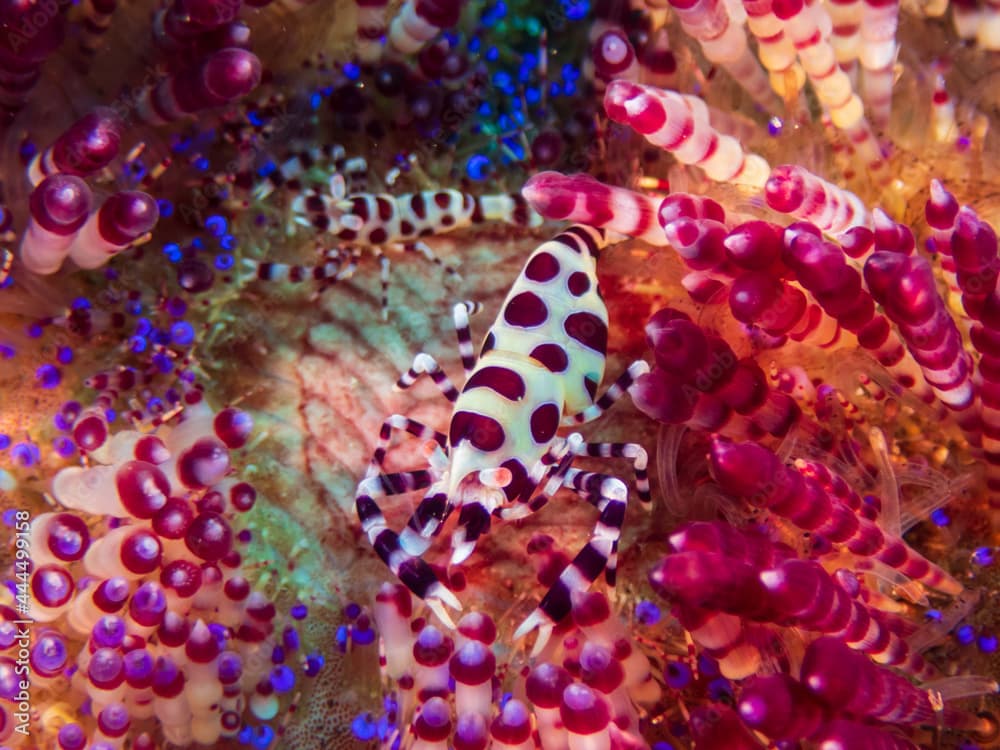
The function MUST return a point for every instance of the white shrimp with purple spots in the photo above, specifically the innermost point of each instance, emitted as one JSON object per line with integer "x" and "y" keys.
{"x": 380, "y": 221}
{"x": 538, "y": 369}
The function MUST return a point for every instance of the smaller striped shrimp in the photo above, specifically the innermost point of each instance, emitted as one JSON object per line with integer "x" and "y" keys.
{"x": 380, "y": 221}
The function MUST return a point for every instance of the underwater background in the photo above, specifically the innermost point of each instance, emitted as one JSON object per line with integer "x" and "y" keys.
{"x": 228, "y": 228}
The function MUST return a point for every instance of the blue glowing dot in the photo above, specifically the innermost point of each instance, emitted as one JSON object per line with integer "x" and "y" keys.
{"x": 26, "y": 453}
{"x": 647, "y": 613}
{"x": 677, "y": 675}
{"x": 501, "y": 79}
{"x": 984, "y": 556}
{"x": 201, "y": 163}
{"x": 198, "y": 243}
{"x": 216, "y": 225}
{"x": 267, "y": 169}
{"x": 340, "y": 638}
{"x": 475, "y": 44}
{"x": 720, "y": 688}
{"x": 569, "y": 88}
{"x": 389, "y": 704}
{"x": 299, "y": 611}
{"x": 80, "y": 303}
{"x": 64, "y": 446}
{"x": 48, "y": 376}
{"x": 182, "y": 333}
{"x": 282, "y": 678}
{"x": 933, "y": 614}
{"x": 134, "y": 307}
{"x": 264, "y": 737}
{"x": 963, "y": 143}
{"x": 352, "y": 611}
{"x": 663, "y": 746}
{"x": 364, "y": 727}
{"x": 478, "y": 167}
{"x": 110, "y": 414}
{"x": 488, "y": 18}
{"x": 987, "y": 643}
{"x": 515, "y": 146}
{"x": 65, "y": 355}
{"x": 27, "y": 150}
{"x": 228, "y": 242}
{"x": 505, "y": 122}
{"x": 965, "y": 635}
{"x": 163, "y": 363}
{"x": 314, "y": 663}
{"x": 224, "y": 261}
{"x": 143, "y": 327}
{"x": 554, "y": 89}
{"x": 7, "y": 351}
{"x": 138, "y": 344}
{"x": 707, "y": 665}
{"x": 384, "y": 727}
{"x": 576, "y": 10}
{"x": 4, "y": 442}
{"x": 172, "y": 251}
{"x": 10, "y": 516}
{"x": 290, "y": 639}
{"x": 246, "y": 734}
{"x": 34, "y": 330}
{"x": 277, "y": 655}
{"x": 532, "y": 95}
{"x": 492, "y": 54}
{"x": 940, "y": 517}
{"x": 485, "y": 110}
{"x": 176, "y": 307}
{"x": 570, "y": 72}
{"x": 352, "y": 71}
{"x": 363, "y": 637}
{"x": 255, "y": 119}
{"x": 315, "y": 101}
{"x": 166, "y": 208}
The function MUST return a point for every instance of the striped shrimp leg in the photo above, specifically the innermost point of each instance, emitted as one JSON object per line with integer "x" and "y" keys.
{"x": 416, "y": 574}
{"x": 289, "y": 172}
{"x": 331, "y": 270}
